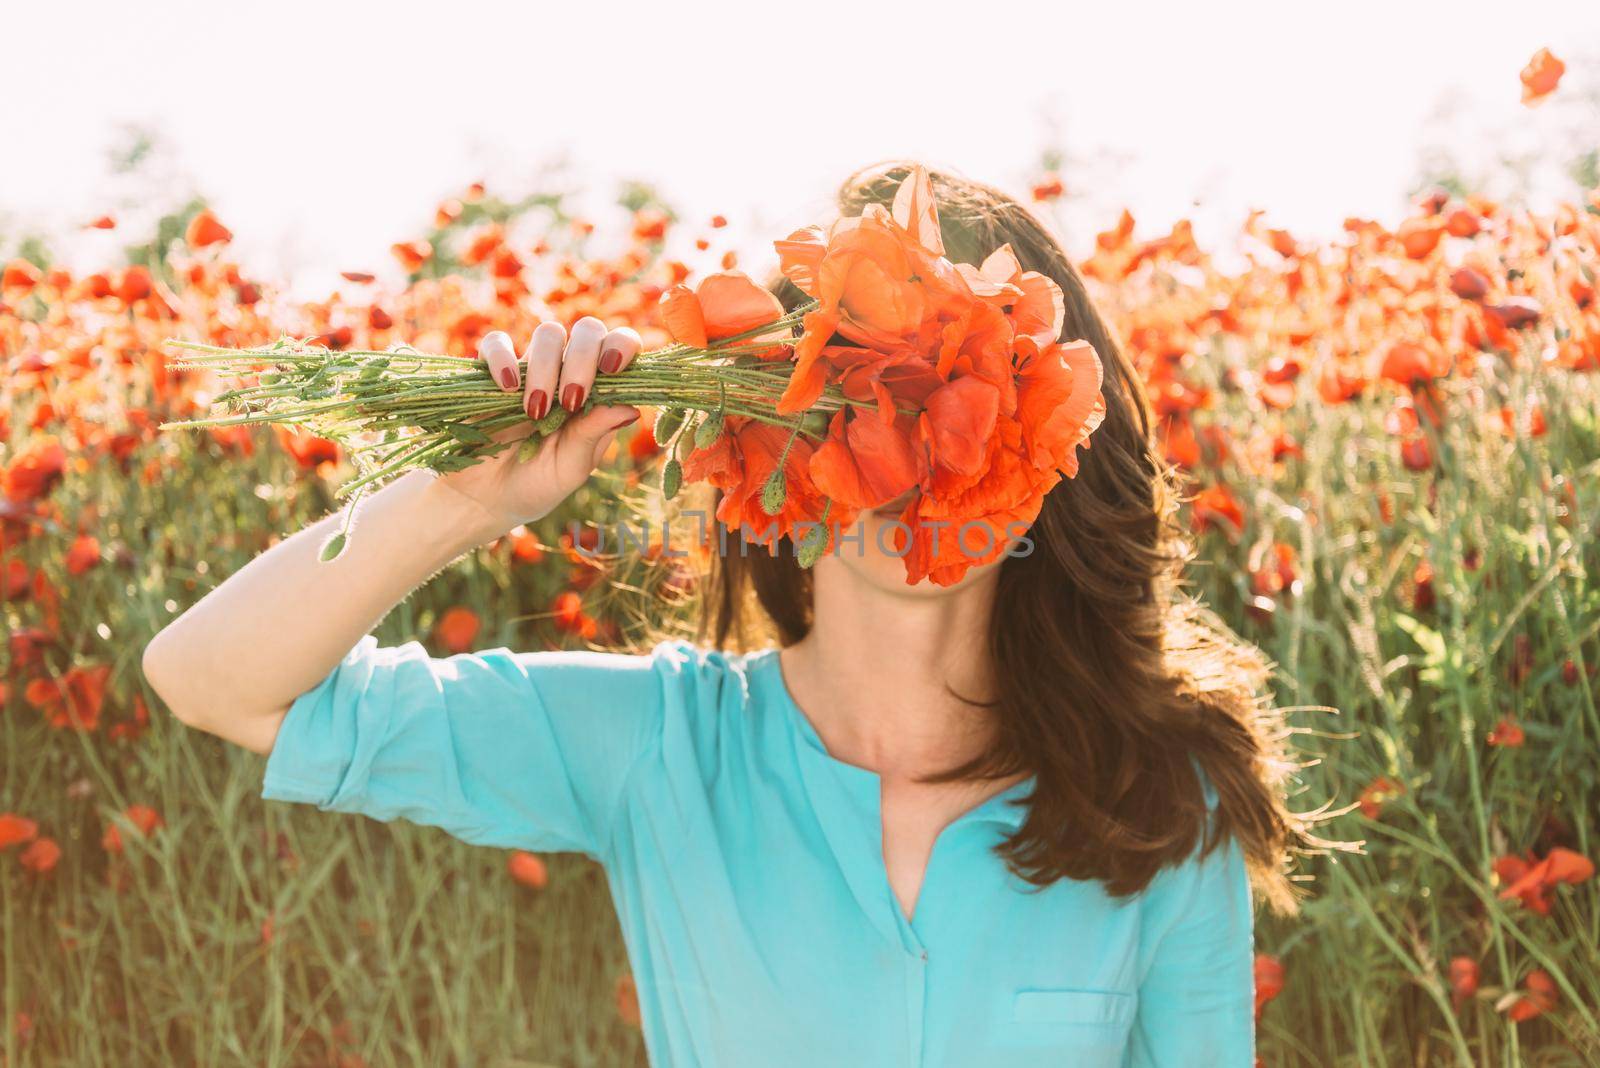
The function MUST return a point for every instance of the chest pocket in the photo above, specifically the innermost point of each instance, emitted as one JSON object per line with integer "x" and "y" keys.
{"x": 1105, "y": 1008}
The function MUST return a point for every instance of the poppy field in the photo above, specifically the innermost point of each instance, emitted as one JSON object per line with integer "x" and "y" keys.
{"x": 1389, "y": 443}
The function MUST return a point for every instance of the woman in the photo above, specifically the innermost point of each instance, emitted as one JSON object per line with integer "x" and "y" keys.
{"x": 1013, "y": 821}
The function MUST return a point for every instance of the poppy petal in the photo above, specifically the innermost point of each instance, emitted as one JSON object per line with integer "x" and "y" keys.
{"x": 731, "y": 303}
{"x": 916, "y": 212}
{"x": 683, "y": 317}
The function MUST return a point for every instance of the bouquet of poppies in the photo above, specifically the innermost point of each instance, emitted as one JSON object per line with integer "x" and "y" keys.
{"x": 904, "y": 378}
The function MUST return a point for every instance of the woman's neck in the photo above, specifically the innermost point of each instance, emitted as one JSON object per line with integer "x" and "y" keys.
{"x": 882, "y": 674}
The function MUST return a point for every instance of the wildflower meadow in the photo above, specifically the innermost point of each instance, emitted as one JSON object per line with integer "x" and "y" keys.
{"x": 1390, "y": 448}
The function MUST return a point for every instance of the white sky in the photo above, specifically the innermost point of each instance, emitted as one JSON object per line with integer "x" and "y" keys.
{"x": 323, "y": 131}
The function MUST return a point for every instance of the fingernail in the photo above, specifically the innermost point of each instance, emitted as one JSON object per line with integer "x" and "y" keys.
{"x": 610, "y": 360}
{"x": 538, "y": 402}
{"x": 632, "y": 418}
{"x": 508, "y": 378}
{"x": 572, "y": 397}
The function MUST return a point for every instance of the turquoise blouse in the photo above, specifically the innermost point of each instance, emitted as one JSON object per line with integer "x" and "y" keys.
{"x": 746, "y": 866}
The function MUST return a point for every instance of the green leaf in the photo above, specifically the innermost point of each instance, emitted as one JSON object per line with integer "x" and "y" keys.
{"x": 1430, "y": 640}
{"x": 333, "y": 546}
{"x": 468, "y": 434}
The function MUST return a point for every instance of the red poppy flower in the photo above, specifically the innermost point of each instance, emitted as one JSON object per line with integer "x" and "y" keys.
{"x": 866, "y": 461}
{"x": 41, "y": 856}
{"x": 19, "y": 277}
{"x": 722, "y": 305}
{"x": 1059, "y": 402}
{"x": 1376, "y": 794}
{"x": 412, "y": 254}
{"x": 144, "y": 819}
{"x": 1539, "y": 996}
{"x": 1464, "y": 975}
{"x": 457, "y": 629}
{"x": 16, "y": 830}
{"x": 204, "y": 229}
{"x": 742, "y": 462}
{"x": 528, "y": 869}
{"x": 1532, "y": 880}
{"x": 1269, "y": 977}
{"x": 626, "y": 996}
{"x": 1541, "y": 76}
{"x": 1507, "y": 734}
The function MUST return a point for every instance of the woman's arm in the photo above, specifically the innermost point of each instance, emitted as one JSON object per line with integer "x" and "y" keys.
{"x": 233, "y": 663}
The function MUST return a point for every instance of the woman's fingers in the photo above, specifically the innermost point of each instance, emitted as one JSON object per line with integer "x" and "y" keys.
{"x": 496, "y": 350}
{"x": 544, "y": 368}
{"x": 618, "y": 349}
{"x": 580, "y": 360}
{"x": 559, "y": 368}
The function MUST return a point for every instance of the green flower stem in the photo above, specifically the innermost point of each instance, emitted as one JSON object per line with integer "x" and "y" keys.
{"x": 401, "y": 409}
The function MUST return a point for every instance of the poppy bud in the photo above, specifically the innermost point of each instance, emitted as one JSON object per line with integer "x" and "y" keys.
{"x": 671, "y": 479}
{"x": 814, "y": 424}
{"x": 709, "y": 431}
{"x": 812, "y": 546}
{"x": 775, "y": 492}
{"x": 552, "y": 421}
{"x": 668, "y": 422}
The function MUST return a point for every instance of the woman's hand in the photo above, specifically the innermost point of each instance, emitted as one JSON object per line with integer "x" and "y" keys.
{"x": 555, "y": 369}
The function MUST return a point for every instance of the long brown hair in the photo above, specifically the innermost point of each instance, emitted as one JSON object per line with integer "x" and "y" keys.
{"x": 1112, "y": 684}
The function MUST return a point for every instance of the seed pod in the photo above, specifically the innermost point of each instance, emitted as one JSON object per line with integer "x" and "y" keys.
{"x": 708, "y": 432}
{"x": 685, "y": 445}
{"x": 814, "y": 424}
{"x": 668, "y": 421}
{"x": 671, "y": 479}
{"x": 528, "y": 449}
{"x": 775, "y": 492}
{"x": 812, "y": 546}
{"x": 552, "y": 421}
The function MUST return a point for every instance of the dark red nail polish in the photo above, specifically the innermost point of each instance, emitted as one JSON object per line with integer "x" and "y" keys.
{"x": 508, "y": 377}
{"x": 538, "y": 403}
{"x": 572, "y": 398}
{"x": 610, "y": 360}
{"x": 633, "y": 418}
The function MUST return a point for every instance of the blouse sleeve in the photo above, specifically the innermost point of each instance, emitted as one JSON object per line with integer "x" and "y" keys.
{"x": 525, "y": 750}
{"x": 1197, "y": 997}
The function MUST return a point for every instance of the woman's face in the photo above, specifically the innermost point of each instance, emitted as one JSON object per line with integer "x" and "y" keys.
{"x": 867, "y": 553}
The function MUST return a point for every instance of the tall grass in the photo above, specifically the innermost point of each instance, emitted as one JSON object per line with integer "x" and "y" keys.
{"x": 1406, "y": 689}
